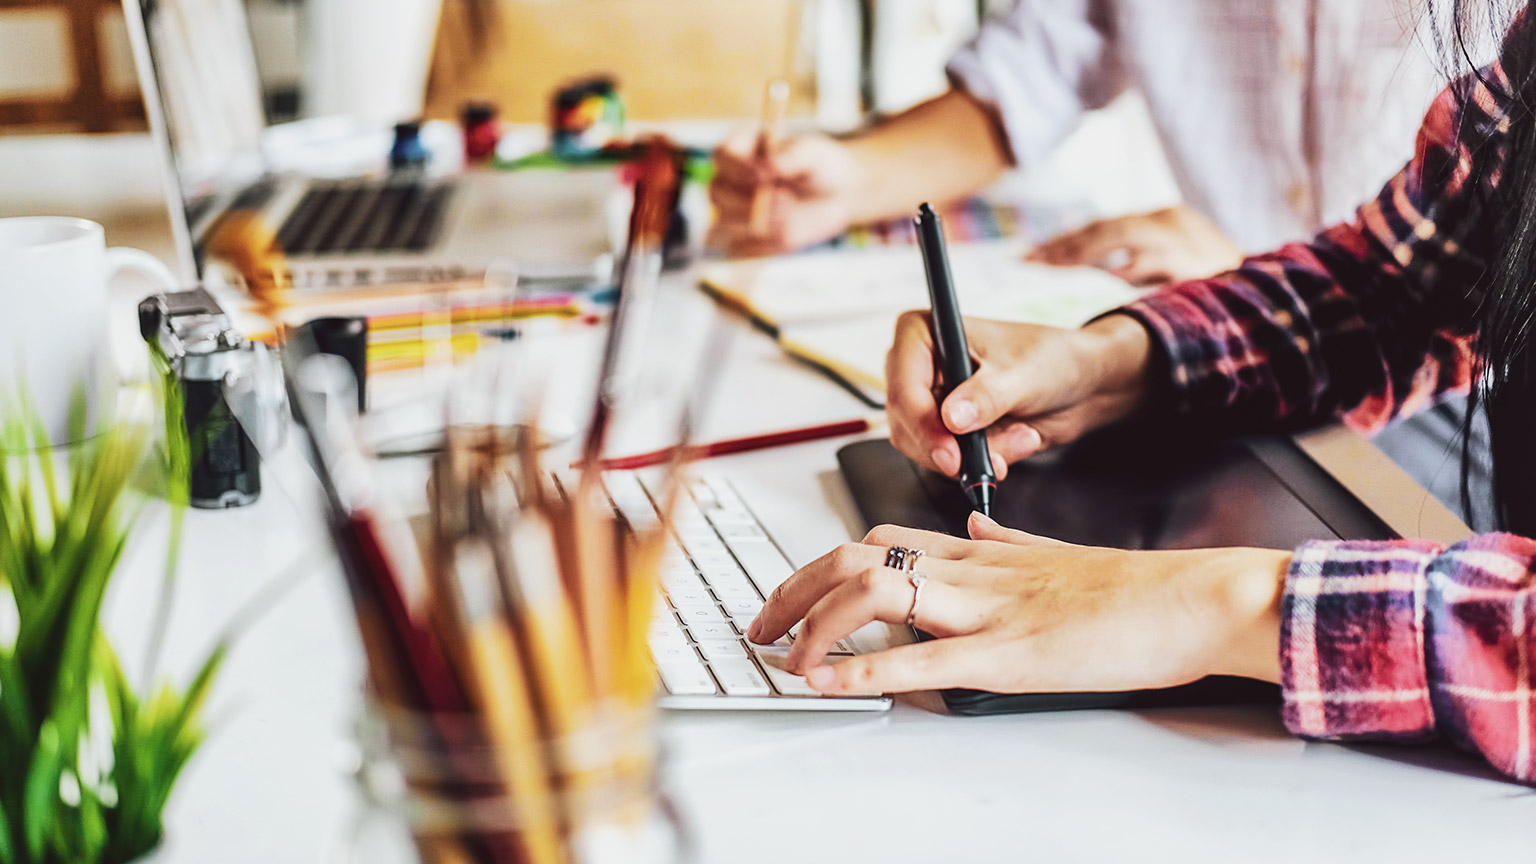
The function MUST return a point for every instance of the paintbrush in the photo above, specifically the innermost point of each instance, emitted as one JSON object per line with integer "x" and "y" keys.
{"x": 405, "y": 661}
{"x": 593, "y": 539}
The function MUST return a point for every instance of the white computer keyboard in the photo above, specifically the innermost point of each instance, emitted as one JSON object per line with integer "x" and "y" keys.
{"x": 720, "y": 567}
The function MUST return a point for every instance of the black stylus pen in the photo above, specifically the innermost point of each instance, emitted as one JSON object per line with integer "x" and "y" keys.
{"x": 954, "y": 357}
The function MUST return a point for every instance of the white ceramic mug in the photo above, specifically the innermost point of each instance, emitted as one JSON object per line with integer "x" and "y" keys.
{"x": 54, "y": 272}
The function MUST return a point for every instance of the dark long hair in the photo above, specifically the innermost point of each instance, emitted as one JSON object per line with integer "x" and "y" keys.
{"x": 1505, "y": 361}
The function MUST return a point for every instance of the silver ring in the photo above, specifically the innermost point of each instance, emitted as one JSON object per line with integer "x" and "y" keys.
{"x": 912, "y": 563}
{"x": 918, "y": 580}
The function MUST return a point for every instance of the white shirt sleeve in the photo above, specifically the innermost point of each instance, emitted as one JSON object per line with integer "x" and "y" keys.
{"x": 1041, "y": 65}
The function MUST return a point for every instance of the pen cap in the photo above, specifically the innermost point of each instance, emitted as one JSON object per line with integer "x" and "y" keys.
{"x": 949, "y": 343}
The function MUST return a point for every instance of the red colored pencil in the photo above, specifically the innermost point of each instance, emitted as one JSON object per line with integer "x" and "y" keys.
{"x": 739, "y": 445}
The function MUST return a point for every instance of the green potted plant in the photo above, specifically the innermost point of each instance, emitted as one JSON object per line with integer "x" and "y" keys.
{"x": 87, "y": 763}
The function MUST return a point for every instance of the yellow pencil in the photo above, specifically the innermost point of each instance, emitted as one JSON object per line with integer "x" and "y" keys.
{"x": 775, "y": 107}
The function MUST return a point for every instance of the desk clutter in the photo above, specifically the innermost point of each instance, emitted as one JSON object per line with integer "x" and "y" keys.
{"x": 506, "y": 629}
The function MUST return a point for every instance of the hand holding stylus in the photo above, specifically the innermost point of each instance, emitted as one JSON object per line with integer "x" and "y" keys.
{"x": 1034, "y": 387}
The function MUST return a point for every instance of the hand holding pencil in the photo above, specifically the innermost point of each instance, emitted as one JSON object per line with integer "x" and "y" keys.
{"x": 772, "y": 194}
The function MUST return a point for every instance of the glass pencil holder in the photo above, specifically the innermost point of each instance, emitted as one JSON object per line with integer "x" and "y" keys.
{"x": 442, "y": 788}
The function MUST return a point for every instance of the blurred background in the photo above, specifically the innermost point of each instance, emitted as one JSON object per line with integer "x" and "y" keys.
{"x": 67, "y": 66}
{"x": 66, "y": 71}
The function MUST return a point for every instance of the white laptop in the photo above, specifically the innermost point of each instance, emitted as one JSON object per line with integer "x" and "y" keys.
{"x": 342, "y": 219}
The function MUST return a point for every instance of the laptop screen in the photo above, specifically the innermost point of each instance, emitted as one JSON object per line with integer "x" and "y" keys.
{"x": 205, "y": 80}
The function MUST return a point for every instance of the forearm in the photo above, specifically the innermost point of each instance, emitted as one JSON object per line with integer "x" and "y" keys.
{"x": 945, "y": 148}
{"x": 1403, "y": 639}
{"x": 1370, "y": 319}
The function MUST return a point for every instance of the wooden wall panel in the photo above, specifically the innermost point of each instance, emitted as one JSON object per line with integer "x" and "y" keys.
{"x": 673, "y": 59}
{"x": 89, "y": 104}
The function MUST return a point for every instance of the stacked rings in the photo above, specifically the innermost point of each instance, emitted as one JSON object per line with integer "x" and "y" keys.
{"x": 902, "y": 558}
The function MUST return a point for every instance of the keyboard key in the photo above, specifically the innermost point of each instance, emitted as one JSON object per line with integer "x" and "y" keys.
{"x": 742, "y": 609}
{"x": 703, "y": 494}
{"x": 702, "y": 542}
{"x": 674, "y": 653}
{"x": 686, "y": 678}
{"x": 690, "y": 595}
{"x": 724, "y": 493}
{"x": 788, "y": 683}
{"x": 741, "y": 591}
{"x": 719, "y": 516}
{"x": 680, "y": 580}
{"x": 734, "y": 531}
{"x": 692, "y": 615}
{"x": 630, "y": 500}
{"x": 763, "y": 562}
{"x": 712, "y": 632}
{"x": 718, "y": 561}
{"x": 738, "y": 676}
{"x": 666, "y": 635}
{"x": 730, "y": 580}
{"x": 716, "y": 649}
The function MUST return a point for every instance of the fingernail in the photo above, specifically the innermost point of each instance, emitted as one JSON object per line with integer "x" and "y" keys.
{"x": 999, "y": 467}
{"x": 961, "y": 415}
{"x": 821, "y": 677}
{"x": 792, "y": 660}
{"x": 983, "y": 519}
{"x": 943, "y": 461}
{"x": 1027, "y": 438}
{"x": 755, "y": 629}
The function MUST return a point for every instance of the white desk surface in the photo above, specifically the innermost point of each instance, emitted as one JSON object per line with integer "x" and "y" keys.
{"x": 914, "y": 785}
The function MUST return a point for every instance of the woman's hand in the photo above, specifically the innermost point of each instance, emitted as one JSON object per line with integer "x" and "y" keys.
{"x": 1035, "y": 387}
{"x": 1172, "y": 245}
{"x": 813, "y": 184}
{"x": 1015, "y": 613}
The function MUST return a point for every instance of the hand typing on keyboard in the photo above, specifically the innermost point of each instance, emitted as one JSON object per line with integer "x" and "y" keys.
{"x": 719, "y": 567}
{"x": 1017, "y": 613}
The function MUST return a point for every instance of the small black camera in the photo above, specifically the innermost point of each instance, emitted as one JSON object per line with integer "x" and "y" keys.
{"x": 219, "y": 372}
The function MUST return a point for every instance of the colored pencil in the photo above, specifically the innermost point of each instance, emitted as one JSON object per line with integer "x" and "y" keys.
{"x": 744, "y": 444}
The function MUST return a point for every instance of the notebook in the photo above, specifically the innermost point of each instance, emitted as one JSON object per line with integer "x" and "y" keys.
{"x": 838, "y": 311}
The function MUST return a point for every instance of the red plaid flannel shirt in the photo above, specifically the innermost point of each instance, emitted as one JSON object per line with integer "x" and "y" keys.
{"x": 1395, "y": 640}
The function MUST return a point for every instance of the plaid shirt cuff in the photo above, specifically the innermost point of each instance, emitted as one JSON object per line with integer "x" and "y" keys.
{"x": 1180, "y": 328}
{"x": 1352, "y": 660}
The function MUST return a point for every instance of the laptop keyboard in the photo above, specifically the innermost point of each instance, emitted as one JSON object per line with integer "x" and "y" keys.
{"x": 720, "y": 566}
{"x": 392, "y": 216}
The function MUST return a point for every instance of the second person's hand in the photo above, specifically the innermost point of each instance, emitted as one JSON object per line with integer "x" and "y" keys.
{"x": 813, "y": 183}
{"x": 1171, "y": 245}
{"x": 1034, "y": 387}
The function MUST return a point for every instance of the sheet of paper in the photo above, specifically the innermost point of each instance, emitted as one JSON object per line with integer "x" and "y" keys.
{"x": 992, "y": 279}
{"x": 855, "y": 347}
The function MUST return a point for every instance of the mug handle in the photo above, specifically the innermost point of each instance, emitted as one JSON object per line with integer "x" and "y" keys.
{"x": 125, "y": 258}
{"x": 131, "y": 364}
